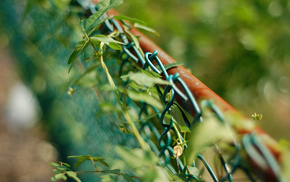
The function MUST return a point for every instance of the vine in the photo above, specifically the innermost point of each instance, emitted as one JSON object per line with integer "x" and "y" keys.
{"x": 159, "y": 159}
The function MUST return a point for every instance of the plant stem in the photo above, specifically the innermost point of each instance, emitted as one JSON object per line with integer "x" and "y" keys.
{"x": 93, "y": 161}
{"x": 135, "y": 131}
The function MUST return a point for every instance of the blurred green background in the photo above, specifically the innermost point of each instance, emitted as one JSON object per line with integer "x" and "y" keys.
{"x": 239, "y": 49}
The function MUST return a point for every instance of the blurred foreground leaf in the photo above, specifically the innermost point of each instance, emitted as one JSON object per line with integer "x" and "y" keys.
{"x": 83, "y": 158}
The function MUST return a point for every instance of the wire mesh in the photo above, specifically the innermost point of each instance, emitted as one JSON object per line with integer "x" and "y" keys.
{"x": 164, "y": 150}
{"x": 160, "y": 142}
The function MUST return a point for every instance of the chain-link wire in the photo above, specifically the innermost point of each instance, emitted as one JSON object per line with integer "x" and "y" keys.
{"x": 254, "y": 147}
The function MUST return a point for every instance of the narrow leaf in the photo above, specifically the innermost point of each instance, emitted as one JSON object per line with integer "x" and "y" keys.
{"x": 54, "y": 164}
{"x": 106, "y": 39}
{"x": 184, "y": 129}
{"x": 56, "y": 171}
{"x": 73, "y": 175}
{"x": 83, "y": 158}
{"x": 66, "y": 164}
{"x": 59, "y": 167}
{"x": 151, "y": 73}
{"x": 137, "y": 25}
{"x": 144, "y": 97}
{"x": 77, "y": 51}
{"x": 93, "y": 20}
{"x": 100, "y": 160}
{"x": 128, "y": 177}
{"x": 114, "y": 46}
{"x": 145, "y": 79}
{"x": 80, "y": 159}
{"x": 58, "y": 176}
{"x": 133, "y": 20}
{"x": 109, "y": 3}
{"x": 134, "y": 38}
{"x": 172, "y": 65}
{"x": 96, "y": 18}
{"x": 182, "y": 118}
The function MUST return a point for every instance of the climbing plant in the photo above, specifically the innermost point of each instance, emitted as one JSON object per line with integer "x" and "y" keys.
{"x": 171, "y": 141}
{"x": 120, "y": 101}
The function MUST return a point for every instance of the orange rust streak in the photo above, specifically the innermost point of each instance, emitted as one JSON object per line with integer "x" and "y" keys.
{"x": 199, "y": 90}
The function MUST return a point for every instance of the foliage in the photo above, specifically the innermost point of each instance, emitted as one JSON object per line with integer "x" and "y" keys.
{"x": 239, "y": 49}
{"x": 138, "y": 87}
{"x": 63, "y": 171}
{"x": 94, "y": 58}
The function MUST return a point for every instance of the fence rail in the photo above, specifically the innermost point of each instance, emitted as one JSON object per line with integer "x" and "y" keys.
{"x": 185, "y": 85}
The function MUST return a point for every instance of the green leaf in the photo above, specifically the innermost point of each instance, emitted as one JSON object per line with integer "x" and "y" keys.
{"x": 128, "y": 177}
{"x": 137, "y": 25}
{"x": 172, "y": 65}
{"x": 150, "y": 73}
{"x": 145, "y": 80}
{"x": 205, "y": 135}
{"x": 144, "y": 163}
{"x": 137, "y": 157}
{"x": 106, "y": 39}
{"x": 100, "y": 160}
{"x": 114, "y": 46}
{"x": 184, "y": 129}
{"x": 93, "y": 20}
{"x": 83, "y": 158}
{"x": 66, "y": 164}
{"x": 144, "y": 97}
{"x": 56, "y": 171}
{"x": 155, "y": 173}
{"x": 59, "y": 167}
{"x": 108, "y": 87}
{"x": 58, "y": 176}
{"x": 96, "y": 18}
{"x": 133, "y": 20}
{"x": 108, "y": 178}
{"x": 181, "y": 117}
{"x": 54, "y": 164}
{"x": 109, "y": 3}
{"x": 80, "y": 47}
{"x": 193, "y": 170}
{"x": 150, "y": 175}
{"x": 134, "y": 38}
{"x": 80, "y": 159}
{"x": 73, "y": 175}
